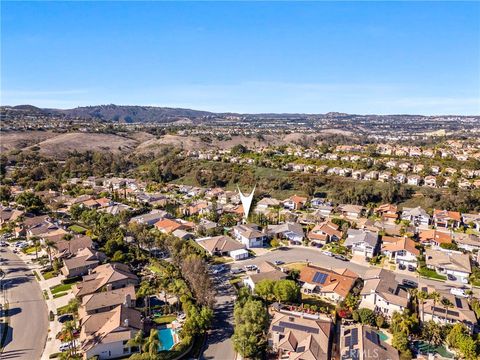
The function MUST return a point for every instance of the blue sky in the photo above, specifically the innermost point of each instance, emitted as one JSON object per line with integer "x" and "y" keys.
{"x": 355, "y": 57}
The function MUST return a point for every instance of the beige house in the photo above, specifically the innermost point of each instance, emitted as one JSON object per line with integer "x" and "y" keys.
{"x": 293, "y": 336}
{"x": 85, "y": 260}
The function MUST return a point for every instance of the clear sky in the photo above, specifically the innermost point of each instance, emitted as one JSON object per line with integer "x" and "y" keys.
{"x": 355, "y": 57}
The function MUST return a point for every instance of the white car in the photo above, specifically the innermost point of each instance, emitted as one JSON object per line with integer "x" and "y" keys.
{"x": 458, "y": 292}
{"x": 328, "y": 253}
{"x": 67, "y": 345}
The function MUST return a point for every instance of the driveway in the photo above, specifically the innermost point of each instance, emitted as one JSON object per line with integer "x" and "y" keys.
{"x": 219, "y": 344}
{"x": 28, "y": 316}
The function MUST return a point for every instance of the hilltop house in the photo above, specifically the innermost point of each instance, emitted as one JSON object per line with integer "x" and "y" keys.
{"x": 293, "y": 232}
{"x": 416, "y": 216}
{"x": 324, "y": 233}
{"x": 445, "y": 218}
{"x": 452, "y": 263}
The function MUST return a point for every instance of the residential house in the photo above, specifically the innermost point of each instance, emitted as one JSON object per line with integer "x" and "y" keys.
{"x": 66, "y": 248}
{"x": 108, "y": 276}
{"x": 105, "y": 335}
{"x": 402, "y": 250}
{"x": 85, "y": 260}
{"x": 472, "y": 220}
{"x": 351, "y": 211}
{"x": 430, "y": 181}
{"x": 106, "y": 301}
{"x": 266, "y": 270}
{"x": 331, "y": 284}
{"x": 385, "y": 176}
{"x": 387, "y": 212}
{"x": 468, "y": 242}
{"x": 295, "y": 202}
{"x": 249, "y": 235}
{"x": 324, "y": 233}
{"x": 294, "y": 336}
{"x": 450, "y": 262}
{"x": 445, "y": 218}
{"x": 362, "y": 242}
{"x": 223, "y": 246}
{"x": 415, "y": 180}
{"x": 362, "y": 342}
{"x": 152, "y": 217}
{"x": 9, "y": 215}
{"x": 293, "y": 232}
{"x": 459, "y": 312}
{"x": 324, "y": 210}
{"x": 416, "y": 216}
{"x": 168, "y": 226}
{"x": 382, "y": 293}
{"x": 434, "y": 237}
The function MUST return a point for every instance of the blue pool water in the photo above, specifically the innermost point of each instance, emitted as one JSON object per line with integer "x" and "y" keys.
{"x": 165, "y": 335}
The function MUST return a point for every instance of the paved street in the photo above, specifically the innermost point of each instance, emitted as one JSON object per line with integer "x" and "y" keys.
{"x": 219, "y": 344}
{"x": 28, "y": 320}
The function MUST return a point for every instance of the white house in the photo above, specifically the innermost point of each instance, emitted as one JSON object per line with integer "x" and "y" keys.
{"x": 382, "y": 293}
{"x": 417, "y": 216}
{"x": 362, "y": 242}
{"x": 249, "y": 235}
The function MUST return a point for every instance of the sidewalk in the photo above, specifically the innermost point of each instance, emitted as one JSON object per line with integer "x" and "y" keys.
{"x": 52, "y": 344}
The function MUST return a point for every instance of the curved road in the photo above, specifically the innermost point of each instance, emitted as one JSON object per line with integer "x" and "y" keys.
{"x": 28, "y": 315}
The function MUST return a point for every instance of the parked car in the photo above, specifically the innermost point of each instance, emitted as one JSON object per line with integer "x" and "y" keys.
{"x": 411, "y": 268}
{"x": 451, "y": 277}
{"x": 409, "y": 283}
{"x": 251, "y": 267}
{"x": 65, "y": 318}
{"x": 3, "y": 244}
{"x": 340, "y": 257}
{"x": 67, "y": 345}
{"x": 237, "y": 271}
{"x": 279, "y": 262}
{"x": 402, "y": 267}
{"x": 328, "y": 253}
{"x": 458, "y": 292}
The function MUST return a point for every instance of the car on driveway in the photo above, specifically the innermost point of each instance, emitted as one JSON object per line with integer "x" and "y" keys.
{"x": 411, "y": 268}
{"x": 340, "y": 257}
{"x": 458, "y": 292}
{"x": 402, "y": 267}
{"x": 328, "y": 253}
{"x": 65, "y": 318}
{"x": 67, "y": 345}
{"x": 451, "y": 277}
{"x": 251, "y": 267}
{"x": 409, "y": 283}
{"x": 237, "y": 271}
{"x": 279, "y": 262}
{"x": 3, "y": 243}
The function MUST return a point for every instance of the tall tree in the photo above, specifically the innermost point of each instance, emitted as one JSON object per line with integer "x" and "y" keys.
{"x": 251, "y": 319}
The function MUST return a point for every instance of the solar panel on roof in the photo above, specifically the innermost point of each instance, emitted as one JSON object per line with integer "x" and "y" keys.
{"x": 320, "y": 277}
{"x": 354, "y": 337}
{"x": 347, "y": 341}
{"x": 373, "y": 337}
{"x": 299, "y": 327}
{"x": 278, "y": 328}
{"x": 458, "y": 302}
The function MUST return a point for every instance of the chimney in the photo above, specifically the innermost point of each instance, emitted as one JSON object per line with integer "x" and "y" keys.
{"x": 128, "y": 300}
{"x": 126, "y": 322}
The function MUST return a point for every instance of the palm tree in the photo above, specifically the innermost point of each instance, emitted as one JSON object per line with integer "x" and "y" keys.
{"x": 36, "y": 241}
{"x": 137, "y": 341}
{"x": 50, "y": 244}
{"x": 447, "y": 304}
{"x": 67, "y": 331}
{"x": 422, "y": 296}
{"x": 68, "y": 238}
{"x": 435, "y": 296}
{"x": 152, "y": 343}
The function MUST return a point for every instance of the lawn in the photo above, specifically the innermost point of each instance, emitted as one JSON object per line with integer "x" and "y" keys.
{"x": 60, "y": 288}
{"x": 295, "y": 266}
{"x": 221, "y": 260}
{"x": 49, "y": 275}
{"x": 314, "y": 300}
{"x": 154, "y": 268}
{"x": 432, "y": 274}
{"x": 31, "y": 250}
{"x": 78, "y": 229}
{"x": 59, "y": 294}
{"x": 165, "y": 319}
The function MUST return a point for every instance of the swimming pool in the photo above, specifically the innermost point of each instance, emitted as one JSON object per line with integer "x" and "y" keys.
{"x": 165, "y": 335}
